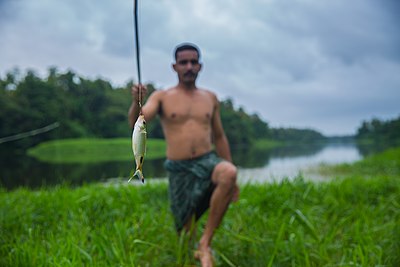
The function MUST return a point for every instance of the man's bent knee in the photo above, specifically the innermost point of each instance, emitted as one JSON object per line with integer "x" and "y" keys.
{"x": 225, "y": 173}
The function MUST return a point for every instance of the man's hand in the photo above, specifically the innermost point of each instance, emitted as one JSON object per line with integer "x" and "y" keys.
{"x": 136, "y": 98}
{"x": 135, "y": 91}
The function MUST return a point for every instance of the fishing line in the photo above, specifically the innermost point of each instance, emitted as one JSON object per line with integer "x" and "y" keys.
{"x": 135, "y": 16}
{"x": 30, "y": 133}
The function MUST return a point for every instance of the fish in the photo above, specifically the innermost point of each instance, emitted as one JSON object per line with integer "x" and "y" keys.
{"x": 139, "y": 137}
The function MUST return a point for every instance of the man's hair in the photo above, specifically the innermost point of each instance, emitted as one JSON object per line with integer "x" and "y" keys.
{"x": 186, "y": 46}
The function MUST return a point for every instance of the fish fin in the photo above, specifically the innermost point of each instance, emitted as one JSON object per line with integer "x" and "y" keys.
{"x": 133, "y": 175}
{"x": 139, "y": 174}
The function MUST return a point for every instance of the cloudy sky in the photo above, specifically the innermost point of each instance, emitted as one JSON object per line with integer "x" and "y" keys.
{"x": 324, "y": 65}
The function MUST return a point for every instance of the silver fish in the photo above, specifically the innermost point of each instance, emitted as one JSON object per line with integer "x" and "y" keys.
{"x": 139, "y": 137}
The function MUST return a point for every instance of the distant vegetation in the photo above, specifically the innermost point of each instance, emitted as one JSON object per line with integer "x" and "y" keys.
{"x": 88, "y": 108}
{"x": 380, "y": 132}
{"x": 94, "y": 108}
{"x": 297, "y": 136}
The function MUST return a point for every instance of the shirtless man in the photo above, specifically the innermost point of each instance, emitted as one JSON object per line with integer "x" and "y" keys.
{"x": 198, "y": 178}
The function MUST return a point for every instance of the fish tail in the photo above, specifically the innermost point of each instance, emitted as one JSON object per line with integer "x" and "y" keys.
{"x": 130, "y": 178}
{"x": 138, "y": 173}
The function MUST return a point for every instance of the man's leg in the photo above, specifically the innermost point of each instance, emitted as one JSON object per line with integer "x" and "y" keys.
{"x": 224, "y": 178}
{"x": 190, "y": 229}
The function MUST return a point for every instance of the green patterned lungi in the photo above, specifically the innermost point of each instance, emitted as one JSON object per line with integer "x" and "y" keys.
{"x": 190, "y": 186}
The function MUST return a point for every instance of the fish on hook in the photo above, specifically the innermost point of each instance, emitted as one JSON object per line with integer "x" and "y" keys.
{"x": 139, "y": 137}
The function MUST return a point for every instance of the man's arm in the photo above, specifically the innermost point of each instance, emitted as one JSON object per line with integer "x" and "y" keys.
{"x": 220, "y": 140}
{"x": 149, "y": 110}
{"x": 221, "y": 143}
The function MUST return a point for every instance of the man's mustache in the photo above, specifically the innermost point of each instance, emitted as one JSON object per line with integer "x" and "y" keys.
{"x": 189, "y": 73}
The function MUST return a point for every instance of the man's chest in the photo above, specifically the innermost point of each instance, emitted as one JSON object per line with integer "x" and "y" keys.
{"x": 181, "y": 109}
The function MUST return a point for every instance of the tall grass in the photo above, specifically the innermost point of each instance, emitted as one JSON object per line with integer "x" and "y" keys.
{"x": 346, "y": 222}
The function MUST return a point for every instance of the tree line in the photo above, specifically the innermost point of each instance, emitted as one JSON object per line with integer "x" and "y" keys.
{"x": 95, "y": 108}
{"x": 380, "y": 132}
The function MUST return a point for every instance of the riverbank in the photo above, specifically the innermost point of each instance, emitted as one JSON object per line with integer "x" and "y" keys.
{"x": 350, "y": 221}
{"x": 89, "y": 150}
{"x": 93, "y": 150}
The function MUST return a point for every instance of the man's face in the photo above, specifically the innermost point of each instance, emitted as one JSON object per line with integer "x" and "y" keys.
{"x": 187, "y": 65}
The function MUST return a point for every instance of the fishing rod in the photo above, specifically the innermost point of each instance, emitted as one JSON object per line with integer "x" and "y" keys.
{"x": 135, "y": 16}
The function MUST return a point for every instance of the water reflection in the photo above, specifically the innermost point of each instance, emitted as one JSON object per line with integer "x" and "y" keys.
{"x": 255, "y": 157}
{"x": 289, "y": 165}
{"x": 17, "y": 169}
{"x": 21, "y": 170}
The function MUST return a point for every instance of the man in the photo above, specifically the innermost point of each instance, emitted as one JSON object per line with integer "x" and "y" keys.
{"x": 198, "y": 178}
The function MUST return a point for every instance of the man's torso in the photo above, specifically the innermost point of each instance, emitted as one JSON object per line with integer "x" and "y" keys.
{"x": 186, "y": 117}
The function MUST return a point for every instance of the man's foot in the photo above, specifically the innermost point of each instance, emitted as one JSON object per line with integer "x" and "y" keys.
{"x": 204, "y": 255}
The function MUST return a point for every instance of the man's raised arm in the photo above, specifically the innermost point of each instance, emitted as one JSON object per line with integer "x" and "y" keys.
{"x": 220, "y": 141}
{"x": 149, "y": 110}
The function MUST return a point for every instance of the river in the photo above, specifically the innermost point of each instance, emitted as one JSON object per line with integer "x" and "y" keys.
{"x": 253, "y": 166}
{"x": 289, "y": 166}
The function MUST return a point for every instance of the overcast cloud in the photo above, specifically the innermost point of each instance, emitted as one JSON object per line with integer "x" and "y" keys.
{"x": 325, "y": 65}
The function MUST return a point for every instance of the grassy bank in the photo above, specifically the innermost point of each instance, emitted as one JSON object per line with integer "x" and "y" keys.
{"x": 265, "y": 144}
{"x": 89, "y": 150}
{"x": 83, "y": 150}
{"x": 386, "y": 163}
{"x": 353, "y": 221}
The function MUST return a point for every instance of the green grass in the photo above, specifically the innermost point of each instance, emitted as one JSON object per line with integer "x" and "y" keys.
{"x": 386, "y": 163}
{"x": 266, "y": 144}
{"x": 89, "y": 150}
{"x": 93, "y": 150}
{"x": 352, "y": 221}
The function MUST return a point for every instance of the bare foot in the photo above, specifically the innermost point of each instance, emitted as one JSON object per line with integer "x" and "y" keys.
{"x": 205, "y": 257}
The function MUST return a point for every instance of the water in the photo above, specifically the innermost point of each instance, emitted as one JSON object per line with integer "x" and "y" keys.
{"x": 289, "y": 167}
{"x": 253, "y": 166}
